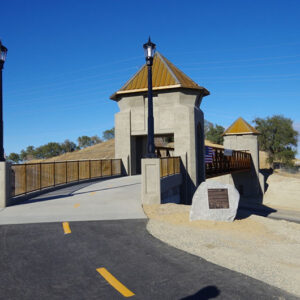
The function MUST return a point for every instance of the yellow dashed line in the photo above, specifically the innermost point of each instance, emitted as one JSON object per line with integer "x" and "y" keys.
{"x": 122, "y": 289}
{"x": 92, "y": 193}
{"x": 76, "y": 205}
{"x": 66, "y": 227}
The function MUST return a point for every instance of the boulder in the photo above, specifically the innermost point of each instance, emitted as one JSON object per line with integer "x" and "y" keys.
{"x": 215, "y": 201}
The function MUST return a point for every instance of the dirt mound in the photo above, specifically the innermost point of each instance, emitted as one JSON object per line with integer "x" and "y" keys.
{"x": 100, "y": 151}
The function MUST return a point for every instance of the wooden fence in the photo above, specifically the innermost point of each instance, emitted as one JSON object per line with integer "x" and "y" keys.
{"x": 221, "y": 164}
{"x": 169, "y": 166}
{"x": 36, "y": 176}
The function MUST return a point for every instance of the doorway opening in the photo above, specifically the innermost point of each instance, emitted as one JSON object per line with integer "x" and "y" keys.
{"x": 164, "y": 146}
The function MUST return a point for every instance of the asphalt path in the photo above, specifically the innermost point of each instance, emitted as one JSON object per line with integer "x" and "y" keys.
{"x": 40, "y": 261}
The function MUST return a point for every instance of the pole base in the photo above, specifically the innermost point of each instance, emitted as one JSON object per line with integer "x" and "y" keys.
{"x": 151, "y": 155}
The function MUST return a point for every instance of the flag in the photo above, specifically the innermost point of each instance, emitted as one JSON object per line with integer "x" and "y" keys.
{"x": 209, "y": 154}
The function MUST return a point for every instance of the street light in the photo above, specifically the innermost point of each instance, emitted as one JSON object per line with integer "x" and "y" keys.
{"x": 3, "y": 52}
{"x": 149, "y": 49}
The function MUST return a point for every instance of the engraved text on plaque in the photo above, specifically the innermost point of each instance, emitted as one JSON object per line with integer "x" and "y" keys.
{"x": 218, "y": 198}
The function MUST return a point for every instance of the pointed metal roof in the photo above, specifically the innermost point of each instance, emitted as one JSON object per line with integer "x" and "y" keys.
{"x": 164, "y": 76}
{"x": 240, "y": 126}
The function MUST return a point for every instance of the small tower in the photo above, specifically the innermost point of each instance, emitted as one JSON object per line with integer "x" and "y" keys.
{"x": 177, "y": 113}
{"x": 242, "y": 136}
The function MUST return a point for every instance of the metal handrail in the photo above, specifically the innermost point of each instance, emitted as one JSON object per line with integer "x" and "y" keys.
{"x": 30, "y": 177}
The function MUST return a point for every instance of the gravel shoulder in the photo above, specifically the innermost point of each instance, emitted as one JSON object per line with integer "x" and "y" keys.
{"x": 265, "y": 249}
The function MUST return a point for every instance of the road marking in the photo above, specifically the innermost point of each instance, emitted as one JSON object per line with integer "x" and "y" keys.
{"x": 66, "y": 227}
{"x": 122, "y": 289}
{"x": 92, "y": 193}
{"x": 76, "y": 205}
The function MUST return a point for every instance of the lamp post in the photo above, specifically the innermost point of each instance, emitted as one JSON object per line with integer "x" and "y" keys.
{"x": 3, "y": 52}
{"x": 149, "y": 49}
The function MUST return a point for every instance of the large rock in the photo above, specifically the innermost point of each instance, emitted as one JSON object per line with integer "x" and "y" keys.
{"x": 216, "y": 201}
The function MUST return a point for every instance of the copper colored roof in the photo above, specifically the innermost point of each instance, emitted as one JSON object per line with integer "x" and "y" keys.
{"x": 240, "y": 126}
{"x": 164, "y": 76}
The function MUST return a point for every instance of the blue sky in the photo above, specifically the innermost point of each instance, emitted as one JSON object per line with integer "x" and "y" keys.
{"x": 65, "y": 58}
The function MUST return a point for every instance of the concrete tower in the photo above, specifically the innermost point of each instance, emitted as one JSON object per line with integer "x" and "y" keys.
{"x": 177, "y": 113}
{"x": 242, "y": 136}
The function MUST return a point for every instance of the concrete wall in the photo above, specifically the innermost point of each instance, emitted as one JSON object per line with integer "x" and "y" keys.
{"x": 252, "y": 182}
{"x": 170, "y": 189}
{"x": 156, "y": 190}
{"x": 123, "y": 145}
{"x": 176, "y": 113}
{"x": 5, "y": 184}
{"x": 186, "y": 134}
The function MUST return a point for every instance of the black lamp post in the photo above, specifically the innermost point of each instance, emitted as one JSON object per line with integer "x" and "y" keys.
{"x": 149, "y": 49}
{"x": 3, "y": 52}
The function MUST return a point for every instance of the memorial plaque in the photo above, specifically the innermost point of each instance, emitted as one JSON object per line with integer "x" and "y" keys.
{"x": 218, "y": 198}
{"x": 215, "y": 201}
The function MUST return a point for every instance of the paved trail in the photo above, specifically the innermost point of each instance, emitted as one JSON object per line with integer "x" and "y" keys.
{"x": 40, "y": 261}
{"x": 111, "y": 199}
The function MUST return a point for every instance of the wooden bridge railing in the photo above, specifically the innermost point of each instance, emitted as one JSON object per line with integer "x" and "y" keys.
{"x": 37, "y": 176}
{"x": 169, "y": 166}
{"x": 221, "y": 164}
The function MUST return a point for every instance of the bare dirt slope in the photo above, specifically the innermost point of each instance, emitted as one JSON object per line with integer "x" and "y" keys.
{"x": 283, "y": 191}
{"x": 99, "y": 151}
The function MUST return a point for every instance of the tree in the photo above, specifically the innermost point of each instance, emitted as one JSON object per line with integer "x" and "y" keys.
{"x": 278, "y": 138}
{"x": 14, "y": 157}
{"x": 23, "y": 155}
{"x": 27, "y": 154}
{"x": 84, "y": 141}
{"x": 30, "y": 150}
{"x": 215, "y": 133}
{"x": 95, "y": 140}
{"x": 48, "y": 150}
{"x": 68, "y": 146}
{"x": 207, "y": 125}
{"x": 108, "y": 134}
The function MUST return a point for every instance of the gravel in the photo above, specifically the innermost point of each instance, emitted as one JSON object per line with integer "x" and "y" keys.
{"x": 265, "y": 249}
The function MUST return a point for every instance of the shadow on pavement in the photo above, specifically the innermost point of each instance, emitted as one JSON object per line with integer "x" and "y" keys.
{"x": 206, "y": 293}
{"x": 68, "y": 193}
{"x": 261, "y": 210}
{"x": 109, "y": 188}
{"x": 266, "y": 173}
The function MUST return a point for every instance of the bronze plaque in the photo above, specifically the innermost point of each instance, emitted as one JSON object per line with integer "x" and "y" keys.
{"x": 218, "y": 198}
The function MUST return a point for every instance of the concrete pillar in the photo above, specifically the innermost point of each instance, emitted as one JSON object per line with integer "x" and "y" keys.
{"x": 151, "y": 193}
{"x": 5, "y": 184}
{"x": 247, "y": 142}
